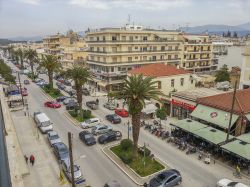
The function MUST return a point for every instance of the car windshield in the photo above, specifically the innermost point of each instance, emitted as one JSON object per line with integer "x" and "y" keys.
{"x": 232, "y": 184}
{"x": 54, "y": 137}
{"x": 88, "y": 121}
{"x": 160, "y": 178}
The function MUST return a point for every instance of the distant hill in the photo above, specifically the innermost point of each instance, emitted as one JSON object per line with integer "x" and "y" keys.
{"x": 27, "y": 38}
{"x": 242, "y": 29}
{"x": 6, "y": 41}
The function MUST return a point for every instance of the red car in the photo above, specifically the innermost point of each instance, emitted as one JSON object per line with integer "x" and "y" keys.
{"x": 24, "y": 92}
{"x": 121, "y": 112}
{"x": 52, "y": 104}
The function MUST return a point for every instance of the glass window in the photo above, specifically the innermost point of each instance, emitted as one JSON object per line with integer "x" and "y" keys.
{"x": 113, "y": 38}
{"x": 162, "y": 48}
{"x": 130, "y": 59}
{"x": 182, "y": 81}
{"x": 172, "y": 82}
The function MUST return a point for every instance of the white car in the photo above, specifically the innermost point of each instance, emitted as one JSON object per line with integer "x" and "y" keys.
{"x": 90, "y": 122}
{"x": 53, "y": 137}
{"x": 229, "y": 183}
{"x": 100, "y": 129}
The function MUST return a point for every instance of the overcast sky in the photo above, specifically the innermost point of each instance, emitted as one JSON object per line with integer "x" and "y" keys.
{"x": 43, "y": 17}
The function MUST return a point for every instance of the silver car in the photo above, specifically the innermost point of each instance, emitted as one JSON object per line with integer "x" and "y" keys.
{"x": 53, "y": 137}
{"x": 78, "y": 177}
{"x": 100, "y": 129}
{"x": 109, "y": 106}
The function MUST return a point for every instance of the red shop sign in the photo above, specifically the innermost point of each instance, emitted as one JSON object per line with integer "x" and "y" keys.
{"x": 183, "y": 105}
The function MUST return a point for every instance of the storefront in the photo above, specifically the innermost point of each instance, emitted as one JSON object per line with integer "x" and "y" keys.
{"x": 181, "y": 109}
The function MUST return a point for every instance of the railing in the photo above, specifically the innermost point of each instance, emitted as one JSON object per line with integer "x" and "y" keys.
{"x": 115, "y": 52}
{"x": 133, "y": 41}
{"x": 5, "y": 179}
{"x": 132, "y": 62}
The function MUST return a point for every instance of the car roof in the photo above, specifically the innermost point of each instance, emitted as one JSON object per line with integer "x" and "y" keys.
{"x": 85, "y": 132}
{"x": 60, "y": 145}
{"x": 52, "y": 133}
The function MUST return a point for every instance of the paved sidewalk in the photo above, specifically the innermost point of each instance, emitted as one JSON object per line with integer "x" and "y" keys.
{"x": 45, "y": 172}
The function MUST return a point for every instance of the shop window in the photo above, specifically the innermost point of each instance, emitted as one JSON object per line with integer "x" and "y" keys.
{"x": 172, "y": 82}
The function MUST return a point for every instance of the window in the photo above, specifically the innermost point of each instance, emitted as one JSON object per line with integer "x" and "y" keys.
{"x": 104, "y": 59}
{"x": 97, "y": 38}
{"x": 113, "y": 38}
{"x": 103, "y": 38}
{"x": 182, "y": 81}
{"x": 98, "y": 59}
{"x": 144, "y": 57}
{"x": 176, "y": 48}
{"x": 91, "y": 48}
{"x": 130, "y": 59}
{"x": 104, "y": 49}
{"x": 159, "y": 84}
{"x": 112, "y": 69}
{"x": 145, "y": 38}
{"x": 169, "y": 57}
{"x": 154, "y": 58}
{"x": 144, "y": 49}
{"x": 114, "y": 49}
{"x": 136, "y": 58}
{"x": 91, "y": 38}
{"x": 114, "y": 59}
{"x": 154, "y": 48}
{"x": 98, "y": 49}
{"x": 136, "y": 47}
{"x": 162, "y": 48}
{"x": 184, "y": 65}
{"x": 130, "y": 38}
{"x": 136, "y": 37}
{"x": 172, "y": 82}
{"x": 123, "y": 38}
{"x": 129, "y": 49}
{"x": 192, "y": 81}
{"x": 162, "y": 57}
{"x": 170, "y": 48}
{"x": 176, "y": 57}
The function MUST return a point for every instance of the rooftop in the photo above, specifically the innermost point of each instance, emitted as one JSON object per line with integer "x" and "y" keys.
{"x": 197, "y": 93}
{"x": 158, "y": 70}
{"x": 224, "y": 101}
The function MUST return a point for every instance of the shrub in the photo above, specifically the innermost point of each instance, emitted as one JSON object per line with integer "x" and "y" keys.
{"x": 57, "y": 92}
{"x": 86, "y": 114}
{"x": 141, "y": 151}
{"x": 127, "y": 157}
{"x": 126, "y": 145}
{"x": 73, "y": 113}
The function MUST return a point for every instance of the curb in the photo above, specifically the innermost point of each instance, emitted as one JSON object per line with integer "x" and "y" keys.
{"x": 46, "y": 95}
{"x": 119, "y": 165}
{"x": 70, "y": 119}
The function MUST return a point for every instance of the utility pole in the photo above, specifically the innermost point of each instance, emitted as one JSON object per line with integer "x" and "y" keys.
{"x": 71, "y": 159}
{"x": 20, "y": 87}
{"x": 231, "y": 112}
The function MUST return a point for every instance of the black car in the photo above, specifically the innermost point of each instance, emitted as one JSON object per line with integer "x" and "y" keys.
{"x": 168, "y": 178}
{"x": 72, "y": 105}
{"x": 61, "y": 151}
{"x": 87, "y": 137}
{"x": 109, "y": 137}
{"x": 113, "y": 118}
{"x": 61, "y": 98}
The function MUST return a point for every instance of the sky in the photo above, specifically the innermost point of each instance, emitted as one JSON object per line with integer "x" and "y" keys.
{"x": 45, "y": 17}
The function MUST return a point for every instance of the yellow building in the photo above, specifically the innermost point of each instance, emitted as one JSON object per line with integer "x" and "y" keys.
{"x": 114, "y": 51}
{"x": 245, "y": 68}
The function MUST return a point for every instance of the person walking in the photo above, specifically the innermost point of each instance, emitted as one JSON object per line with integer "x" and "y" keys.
{"x": 26, "y": 159}
{"x": 32, "y": 159}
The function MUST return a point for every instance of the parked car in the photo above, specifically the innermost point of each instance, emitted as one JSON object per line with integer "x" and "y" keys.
{"x": 121, "y": 112}
{"x": 67, "y": 83}
{"x": 61, "y": 87}
{"x": 112, "y": 183}
{"x": 53, "y": 137}
{"x": 109, "y": 137}
{"x": 229, "y": 183}
{"x": 113, "y": 118}
{"x": 38, "y": 80}
{"x": 90, "y": 122}
{"x": 85, "y": 91}
{"x": 72, "y": 92}
{"x": 69, "y": 99}
{"x": 26, "y": 82}
{"x": 24, "y": 92}
{"x": 61, "y": 151}
{"x": 87, "y": 137}
{"x": 168, "y": 178}
{"x": 100, "y": 129}
{"x": 78, "y": 177}
{"x": 92, "y": 104}
{"x": 60, "y": 79}
{"x": 72, "y": 105}
{"x": 109, "y": 106}
{"x": 43, "y": 122}
{"x": 52, "y": 104}
{"x": 61, "y": 98}
{"x": 58, "y": 83}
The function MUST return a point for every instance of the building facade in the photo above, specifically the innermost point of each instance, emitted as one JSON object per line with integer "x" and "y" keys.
{"x": 114, "y": 51}
{"x": 245, "y": 69}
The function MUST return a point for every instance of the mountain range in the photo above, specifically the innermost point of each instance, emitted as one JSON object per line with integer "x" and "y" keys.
{"x": 242, "y": 30}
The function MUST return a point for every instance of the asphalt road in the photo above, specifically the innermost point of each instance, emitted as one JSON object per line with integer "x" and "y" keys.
{"x": 98, "y": 168}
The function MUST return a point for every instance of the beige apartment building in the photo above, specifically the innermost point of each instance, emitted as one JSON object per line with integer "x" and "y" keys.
{"x": 114, "y": 51}
{"x": 245, "y": 68}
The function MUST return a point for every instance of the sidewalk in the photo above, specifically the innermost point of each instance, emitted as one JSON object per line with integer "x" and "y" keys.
{"x": 45, "y": 172}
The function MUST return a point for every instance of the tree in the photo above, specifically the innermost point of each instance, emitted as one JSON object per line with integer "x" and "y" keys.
{"x": 161, "y": 113}
{"x": 135, "y": 91}
{"x": 222, "y": 74}
{"x": 20, "y": 54}
{"x": 51, "y": 64}
{"x": 5, "y": 72}
{"x": 80, "y": 75}
{"x": 31, "y": 56}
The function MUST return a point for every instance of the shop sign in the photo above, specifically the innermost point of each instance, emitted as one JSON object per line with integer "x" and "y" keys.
{"x": 183, "y": 104}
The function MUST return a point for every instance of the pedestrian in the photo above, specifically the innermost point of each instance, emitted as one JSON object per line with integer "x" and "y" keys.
{"x": 97, "y": 101}
{"x": 145, "y": 184}
{"x": 32, "y": 159}
{"x": 26, "y": 159}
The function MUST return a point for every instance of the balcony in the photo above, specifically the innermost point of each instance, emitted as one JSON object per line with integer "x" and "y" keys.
{"x": 135, "y": 41}
{"x": 133, "y": 52}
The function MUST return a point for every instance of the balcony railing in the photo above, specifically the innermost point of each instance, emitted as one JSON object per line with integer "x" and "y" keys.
{"x": 132, "y": 41}
{"x": 116, "y": 52}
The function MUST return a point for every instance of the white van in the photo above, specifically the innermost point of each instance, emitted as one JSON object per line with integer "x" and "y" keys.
{"x": 90, "y": 122}
{"x": 43, "y": 122}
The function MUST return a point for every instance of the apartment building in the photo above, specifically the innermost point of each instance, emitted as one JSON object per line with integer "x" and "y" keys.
{"x": 245, "y": 68}
{"x": 114, "y": 51}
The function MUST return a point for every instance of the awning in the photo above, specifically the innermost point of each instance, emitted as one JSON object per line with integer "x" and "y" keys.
{"x": 212, "y": 135}
{"x": 149, "y": 109}
{"x": 188, "y": 125}
{"x": 191, "y": 37}
{"x": 248, "y": 117}
{"x": 239, "y": 148}
{"x": 215, "y": 116}
{"x": 244, "y": 137}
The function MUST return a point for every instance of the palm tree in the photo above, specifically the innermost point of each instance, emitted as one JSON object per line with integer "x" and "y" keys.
{"x": 51, "y": 64}
{"x": 135, "y": 91}
{"x": 20, "y": 54}
{"x": 31, "y": 56}
{"x": 80, "y": 75}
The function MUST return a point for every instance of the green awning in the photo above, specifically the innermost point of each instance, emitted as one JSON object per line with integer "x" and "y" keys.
{"x": 215, "y": 116}
{"x": 239, "y": 148}
{"x": 248, "y": 117}
{"x": 244, "y": 137}
{"x": 188, "y": 125}
{"x": 212, "y": 135}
